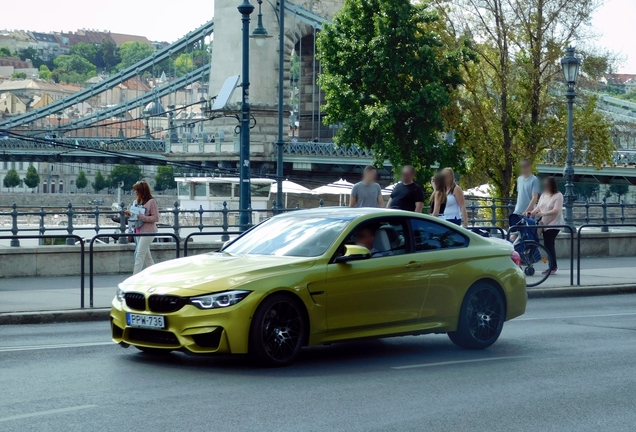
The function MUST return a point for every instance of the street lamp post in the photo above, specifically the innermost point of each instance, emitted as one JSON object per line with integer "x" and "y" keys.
{"x": 259, "y": 35}
{"x": 570, "y": 64}
{"x": 281, "y": 86}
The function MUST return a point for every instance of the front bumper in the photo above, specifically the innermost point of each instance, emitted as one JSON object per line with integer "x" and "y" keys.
{"x": 190, "y": 329}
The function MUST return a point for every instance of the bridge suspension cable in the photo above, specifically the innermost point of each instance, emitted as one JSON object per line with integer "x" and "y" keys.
{"x": 111, "y": 81}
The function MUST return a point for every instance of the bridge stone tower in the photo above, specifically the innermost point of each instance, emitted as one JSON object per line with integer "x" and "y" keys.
{"x": 226, "y": 61}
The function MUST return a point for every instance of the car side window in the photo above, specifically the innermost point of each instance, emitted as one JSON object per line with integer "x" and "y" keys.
{"x": 383, "y": 237}
{"x": 429, "y": 235}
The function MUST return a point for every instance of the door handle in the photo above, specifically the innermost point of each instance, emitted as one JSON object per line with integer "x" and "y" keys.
{"x": 414, "y": 265}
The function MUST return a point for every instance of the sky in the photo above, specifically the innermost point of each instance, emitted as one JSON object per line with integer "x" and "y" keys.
{"x": 168, "y": 21}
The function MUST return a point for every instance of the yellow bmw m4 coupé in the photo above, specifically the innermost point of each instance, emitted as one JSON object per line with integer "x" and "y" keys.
{"x": 324, "y": 275}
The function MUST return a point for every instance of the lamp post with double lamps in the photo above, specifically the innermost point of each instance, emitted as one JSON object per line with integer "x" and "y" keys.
{"x": 570, "y": 64}
{"x": 259, "y": 35}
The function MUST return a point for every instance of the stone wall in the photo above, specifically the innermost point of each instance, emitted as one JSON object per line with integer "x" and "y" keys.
{"x": 65, "y": 260}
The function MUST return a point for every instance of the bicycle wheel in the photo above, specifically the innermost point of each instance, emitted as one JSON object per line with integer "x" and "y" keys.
{"x": 535, "y": 263}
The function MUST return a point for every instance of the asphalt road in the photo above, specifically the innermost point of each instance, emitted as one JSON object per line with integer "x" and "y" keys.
{"x": 567, "y": 365}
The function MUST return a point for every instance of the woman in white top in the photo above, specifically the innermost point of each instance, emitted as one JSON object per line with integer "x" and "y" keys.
{"x": 550, "y": 210}
{"x": 455, "y": 210}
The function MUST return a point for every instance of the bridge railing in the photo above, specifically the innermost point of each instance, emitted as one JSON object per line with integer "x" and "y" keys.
{"x": 110, "y": 144}
{"x": 87, "y": 223}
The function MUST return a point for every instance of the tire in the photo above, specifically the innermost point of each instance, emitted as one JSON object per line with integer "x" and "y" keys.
{"x": 481, "y": 317}
{"x": 277, "y": 331}
{"x": 536, "y": 271}
{"x": 154, "y": 351}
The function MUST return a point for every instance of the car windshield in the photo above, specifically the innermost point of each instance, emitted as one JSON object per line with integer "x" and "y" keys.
{"x": 289, "y": 236}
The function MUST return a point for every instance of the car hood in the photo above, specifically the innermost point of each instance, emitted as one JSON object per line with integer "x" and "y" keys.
{"x": 213, "y": 272}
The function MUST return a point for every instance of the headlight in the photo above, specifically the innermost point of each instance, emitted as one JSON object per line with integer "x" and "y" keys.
{"x": 219, "y": 300}
{"x": 120, "y": 295}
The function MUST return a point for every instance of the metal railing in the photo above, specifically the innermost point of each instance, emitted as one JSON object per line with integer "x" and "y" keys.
{"x": 91, "y": 250}
{"x": 71, "y": 236}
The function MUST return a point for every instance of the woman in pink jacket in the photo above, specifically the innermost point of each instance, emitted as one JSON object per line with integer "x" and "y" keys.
{"x": 149, "y": 220}
{"x": 550, "y": 210}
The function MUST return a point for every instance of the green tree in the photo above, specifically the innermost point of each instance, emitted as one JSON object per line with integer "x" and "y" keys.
{"x": 5, "y": 52}
{"x": 388, "y": 79}
{"x": 619, "y": 190}
{"x": 512, "y": 101}
{"x": 45, "y": 72}
{"x": 132, "y": 52}
{"x": 129, "y": 174}
{"x": 31, "y": 54}
{"x": 19, "y": 75}
{"x": 73, "y": 69}
{"x": 32, "y": 179}
{"x": 183, "y": 64}
{"x": 11, "y": 179}
{"x": 100, "y": 182}
{"x": 87, "y": 51}
{"x": 164, "y": 179}
{"x": 81, "y": 182}
{"x": 108, "y": 55}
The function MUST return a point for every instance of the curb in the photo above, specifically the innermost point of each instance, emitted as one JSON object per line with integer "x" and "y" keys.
{"x": 48, "y": 317}
{"x": 103, "y": 314}
{"x": 581, "y": 291}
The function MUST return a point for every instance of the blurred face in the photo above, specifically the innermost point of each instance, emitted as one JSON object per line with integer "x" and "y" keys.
{"x": 407, "y": 175}
{"x": 526, "y": 169}
{"x": 365, "y": 237}
{"x": 448, "y": 178}
{"x": 369, "y": 176}
{"x": 546, "y": 186}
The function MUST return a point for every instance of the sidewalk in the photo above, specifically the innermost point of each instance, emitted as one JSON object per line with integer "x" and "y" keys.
{"x": 63, "y": 293}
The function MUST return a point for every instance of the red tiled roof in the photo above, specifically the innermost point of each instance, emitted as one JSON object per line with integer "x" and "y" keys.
{"x": 619, "y": 79}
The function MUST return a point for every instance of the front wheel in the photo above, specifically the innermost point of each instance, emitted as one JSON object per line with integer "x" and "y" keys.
{"x": 535, "y": 263}
{"x": 481, "y": 317}
{"x": 276, "y": 334}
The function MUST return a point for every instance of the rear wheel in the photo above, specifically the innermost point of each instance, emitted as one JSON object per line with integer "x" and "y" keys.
{"x": 276, "y": 334}
{"x": 481, "y": 317}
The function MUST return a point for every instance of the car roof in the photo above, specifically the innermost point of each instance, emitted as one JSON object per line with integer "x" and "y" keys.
{"x": 347, "y": 213}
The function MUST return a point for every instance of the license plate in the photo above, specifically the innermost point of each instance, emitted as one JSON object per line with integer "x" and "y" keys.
{"x": 145, "y": 321}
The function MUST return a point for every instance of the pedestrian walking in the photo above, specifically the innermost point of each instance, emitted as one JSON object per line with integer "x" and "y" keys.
{"x": 455, "y": 210}
{"x": 147, "y": 212}
{"x": 367, "y": 193}
{"x": 528, "y": 189}
{"x": 407, "y": 195}
{"x": 439, "y": 196}
{"x": 550, "y": 210}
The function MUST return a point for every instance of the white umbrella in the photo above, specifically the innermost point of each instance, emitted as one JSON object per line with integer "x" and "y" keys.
{"x": 482, "y": 191}
{"x": 340, "y": 187}
{"x": 389, "y": 189}
{"x": 289, "y": 187}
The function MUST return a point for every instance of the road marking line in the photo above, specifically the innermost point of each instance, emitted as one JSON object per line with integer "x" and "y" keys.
{"x": 46, "y": 347}
{"x": 456, "y": 362}
{"x": 574, "y": 316}
{"x": 49, "y": 412}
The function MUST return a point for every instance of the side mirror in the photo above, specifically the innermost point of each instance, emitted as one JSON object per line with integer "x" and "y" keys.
{"x": 354, "y": 253}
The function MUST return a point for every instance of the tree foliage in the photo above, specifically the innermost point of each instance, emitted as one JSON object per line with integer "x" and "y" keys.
{"x": 129, "y": 174}
{"x": 619, "y": 190}
{"x": 132, "y": 52}
{"x": 11, "y": 179}
{"x": 33, "y": 55}
{"x": 73, "y": 69}
{"x": 512, "y": 102}
{"x": 388, "y": 80}
{"x": 19, "y": 75}
{"x": 164, "y": 179}
{"x": 108, "y": 56}
{"x": 87, "y": 51}
{"x": 32, "y": 179}
{"x": 5, "y": 52}
{"x": 81, "y": 182}
{"x": 100, "y": 182}
{"x": 45, "y": 72}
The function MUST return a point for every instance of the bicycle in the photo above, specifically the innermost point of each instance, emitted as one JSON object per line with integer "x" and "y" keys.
{"x": 535, "y": 258}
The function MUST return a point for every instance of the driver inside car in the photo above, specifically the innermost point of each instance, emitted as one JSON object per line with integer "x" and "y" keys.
{"x": 366, "y": 236}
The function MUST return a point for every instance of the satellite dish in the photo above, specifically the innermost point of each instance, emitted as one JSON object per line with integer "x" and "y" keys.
{"x": 221, "y": 101}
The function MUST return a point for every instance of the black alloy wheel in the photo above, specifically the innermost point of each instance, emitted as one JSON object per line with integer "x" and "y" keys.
{"x": 481, "y": 318}
{"x": 276, "y": 334}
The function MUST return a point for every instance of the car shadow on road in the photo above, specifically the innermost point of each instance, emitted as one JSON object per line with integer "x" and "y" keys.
{"x": 365, "y": 356}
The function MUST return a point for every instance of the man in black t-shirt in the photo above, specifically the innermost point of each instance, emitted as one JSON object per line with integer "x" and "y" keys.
{"x": 407, "y": 195}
